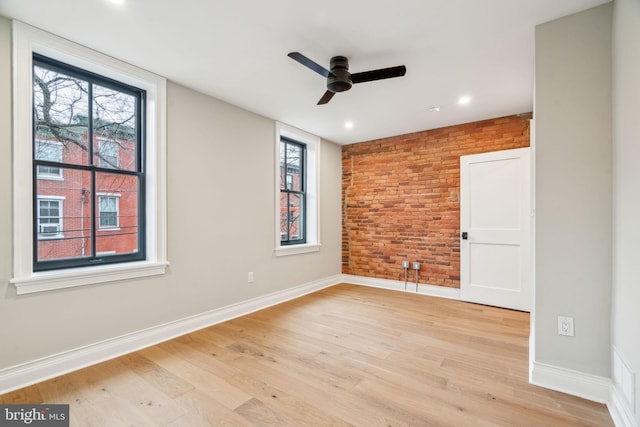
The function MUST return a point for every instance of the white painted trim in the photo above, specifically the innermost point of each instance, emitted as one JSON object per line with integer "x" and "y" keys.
{"x": 587, "y": 386}
{"x": 59, "y": 279}
{"x": 296, "y": 249}
{"x": 618, "y": 408}
{"x": 397, "y": 285}
{"x": 48, "y": 367}
{"x": 622, "y": 405}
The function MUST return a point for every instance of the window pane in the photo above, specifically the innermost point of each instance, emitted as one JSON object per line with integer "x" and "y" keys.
{"x": 295, "y": 217}
{"x": 108, "y": 154}
{"x": 283, "y": 173}
{"x": 294, "y": 167}
{"x": 61, "y": 108}
{"x": 50, "y": 151}
{"x": 284, "y": 216}
{"x": 114, "y": 125}
{"x": 117, "y": 213}
{"x": 63, "y": 225}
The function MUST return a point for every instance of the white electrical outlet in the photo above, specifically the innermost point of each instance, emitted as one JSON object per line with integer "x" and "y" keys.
{"x": 250, "y": 277}
{"x": 565, "y": 326}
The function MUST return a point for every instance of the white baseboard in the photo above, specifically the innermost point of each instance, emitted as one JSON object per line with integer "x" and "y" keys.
{"x": 587, "y": 386}
{"x": 619, "y": 409}
{"x": 397, "y": 285}
{"x": 52, "y": 366}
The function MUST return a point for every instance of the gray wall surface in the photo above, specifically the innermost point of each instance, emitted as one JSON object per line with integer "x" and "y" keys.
{"x": 221, "y": 216}
{"x": 573, "y": 179}
{"x": 626, "y": 189}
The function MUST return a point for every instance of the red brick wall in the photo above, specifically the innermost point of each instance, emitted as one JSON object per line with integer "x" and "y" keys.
{"x": 400, "y": 198}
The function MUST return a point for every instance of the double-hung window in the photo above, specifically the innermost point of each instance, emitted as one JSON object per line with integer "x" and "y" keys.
{"x": 89, "y": 166}
{"x": 292, "y": 192}
{"x": 297, "y": 201}
{"x": 97, "y": 124}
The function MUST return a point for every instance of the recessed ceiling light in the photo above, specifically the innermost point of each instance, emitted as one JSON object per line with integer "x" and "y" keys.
{"x": 348, "y": 124}
{"x": 434, "y": 109}
{"x": 464, "y": 100}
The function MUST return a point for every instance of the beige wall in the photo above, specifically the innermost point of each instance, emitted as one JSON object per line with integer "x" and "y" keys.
{"x": 220, "y": 226}
{"x": 626, "y": 179}
{"x": 573, "y": 181}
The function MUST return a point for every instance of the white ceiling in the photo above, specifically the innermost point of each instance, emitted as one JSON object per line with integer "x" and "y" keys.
{"x": 236, "y": 50}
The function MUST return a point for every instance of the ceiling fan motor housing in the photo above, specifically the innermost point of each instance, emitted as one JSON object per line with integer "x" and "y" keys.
{"x": 340, "y": 80}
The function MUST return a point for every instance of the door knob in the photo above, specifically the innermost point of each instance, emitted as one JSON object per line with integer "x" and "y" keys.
{"x": 464, "y": 235}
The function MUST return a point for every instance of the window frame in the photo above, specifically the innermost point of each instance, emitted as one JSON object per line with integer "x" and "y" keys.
{"x": 94, "y": 170}
{"x": 28, "y": 40}
{"x": 286, "y": 187}
{"x": 312, "y": 187}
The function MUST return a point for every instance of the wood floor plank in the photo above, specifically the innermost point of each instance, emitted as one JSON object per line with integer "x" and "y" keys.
{"x": 211, "y": 384}
{"x": 203, "y": 411}
{"x": 343, "y": 356}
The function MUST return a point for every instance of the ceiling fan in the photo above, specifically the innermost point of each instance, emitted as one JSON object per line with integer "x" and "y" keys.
{"x": 339, "y": 79}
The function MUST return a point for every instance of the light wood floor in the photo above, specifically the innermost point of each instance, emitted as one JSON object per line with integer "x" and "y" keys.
{"x": 347, "y": 355}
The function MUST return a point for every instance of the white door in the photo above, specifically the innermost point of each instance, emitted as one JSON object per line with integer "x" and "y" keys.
{"x": 495, "y": 223}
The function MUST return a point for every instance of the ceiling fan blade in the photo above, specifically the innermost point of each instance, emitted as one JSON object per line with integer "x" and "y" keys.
{"x": 383, "y": 73}
{"x": 326, "y": 97}
{"x": 297, "y": 56}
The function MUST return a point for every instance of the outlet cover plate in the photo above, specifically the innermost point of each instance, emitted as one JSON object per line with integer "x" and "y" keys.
{"x": 565, "y": 326}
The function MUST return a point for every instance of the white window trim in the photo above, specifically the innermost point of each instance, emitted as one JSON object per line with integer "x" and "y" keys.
{"x": 117, "y": 197}
{"x": 312, "y": 191}
{"x": 26, "y": 41}
{"x": 47, "y": 176}
{"x": 60, "y": 199}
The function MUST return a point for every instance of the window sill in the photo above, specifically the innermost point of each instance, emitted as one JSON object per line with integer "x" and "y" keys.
{"x": 51, "y": 177}
{"x": 297, "y": 249}
{"x": 51, "y": 280}
{"x": 52, "y": 237}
